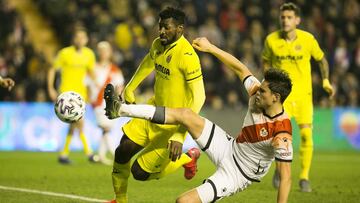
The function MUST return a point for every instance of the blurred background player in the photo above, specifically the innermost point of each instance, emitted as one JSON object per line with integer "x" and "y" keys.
{"x": 178, "y": 83}
{"x": 74, "y": 63}
{"x": 291, "y": 49}
{"x": 106, "y": 72}
{"x": 7, "y": 83}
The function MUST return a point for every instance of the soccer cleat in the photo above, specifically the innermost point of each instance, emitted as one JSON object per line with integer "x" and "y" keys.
{"x": 305, "y": 185}
{"x": 112, "y": 201}
{"x": 276, "y": 179}
{"x": 112, "y": 101}
{"x": 64, "y": 160}
{"x": 191, "y": 167}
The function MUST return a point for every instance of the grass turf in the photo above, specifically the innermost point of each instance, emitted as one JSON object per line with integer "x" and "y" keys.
{"x": 335, "y": 177}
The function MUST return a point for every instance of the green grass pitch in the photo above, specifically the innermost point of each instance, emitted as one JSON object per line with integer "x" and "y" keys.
{"x": 335, "y": 177}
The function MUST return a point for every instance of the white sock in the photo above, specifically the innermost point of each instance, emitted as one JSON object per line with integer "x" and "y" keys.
{"x": 108, "y": 144}
{"x": 103, "y": 147}
{"x": 137, "y": 110}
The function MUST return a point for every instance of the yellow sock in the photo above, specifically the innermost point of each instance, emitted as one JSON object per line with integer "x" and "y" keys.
{"x": 306, "y": 152}
{"x": 120, "y": 176}
{"x": 65, "y": 152}
{"x": 87, "y": 148}
{"x": 170, "y": 167}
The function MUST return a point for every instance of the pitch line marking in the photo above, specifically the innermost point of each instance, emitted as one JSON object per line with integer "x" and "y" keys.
{"x": 52, "y": 194}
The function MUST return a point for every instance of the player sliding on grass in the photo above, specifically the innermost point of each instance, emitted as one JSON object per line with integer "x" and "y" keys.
{"x": 178, "y": 83}
{"x": 265, "y": 135}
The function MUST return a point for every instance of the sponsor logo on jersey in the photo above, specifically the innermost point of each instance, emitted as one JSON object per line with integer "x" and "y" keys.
{"x": 188, "y": 53}
{"x": 289, "y": 57}
{"x": 263, "y": 132}
{"x": 162, "y": 69}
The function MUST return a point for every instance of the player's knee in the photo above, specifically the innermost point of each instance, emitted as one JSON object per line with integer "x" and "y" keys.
{"x": 186, "y": 114}
{"x": 184, "y": 199}
{"x": 121, "y": 155}
{"x": 138, "y": 173}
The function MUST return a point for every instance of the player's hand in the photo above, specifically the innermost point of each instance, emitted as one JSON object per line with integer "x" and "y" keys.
{"x": 7, "y": 83}
{"x": 53, "y": 94}
{"x": 128, "y": 96}
{"x": 175, "y": 150}
{"x": 328, "y": 87}
{"x": 202, "y": 44}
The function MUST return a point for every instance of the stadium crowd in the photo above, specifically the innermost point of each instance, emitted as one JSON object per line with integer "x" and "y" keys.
{"x": 238, "y": 26}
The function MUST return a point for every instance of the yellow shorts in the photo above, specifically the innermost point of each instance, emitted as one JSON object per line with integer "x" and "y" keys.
{"x": 154, "y": 138}
{"x": 300, "y": 107}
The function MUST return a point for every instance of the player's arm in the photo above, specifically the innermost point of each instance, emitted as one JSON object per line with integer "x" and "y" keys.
{"x": 319, "y": 56}
{"x": 266, "y": 56}
{"x": 324, "y": 69}
{"x": 51, "y": 75}
{"x": 282, "y": 144}
{"x": 145, "y": 68}
{"x": 202, "y": 44}
{"x": 7, "y": 83}
{"x": 284, "y": 169}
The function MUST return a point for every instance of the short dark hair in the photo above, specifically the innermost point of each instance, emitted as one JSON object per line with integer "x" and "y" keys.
{"x": 279, "y": 82}
{"x": 291, "y": 7}
{"x": 174, "y": 13}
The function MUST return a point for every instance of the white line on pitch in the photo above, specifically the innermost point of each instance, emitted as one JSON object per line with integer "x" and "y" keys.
{"x": 53, "y": 194}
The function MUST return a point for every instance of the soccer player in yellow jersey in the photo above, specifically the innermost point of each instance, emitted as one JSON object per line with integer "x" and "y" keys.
{"x": 291, "y": 49}
{"x": 178, "y": 83}
{"x": 74, "y": 63}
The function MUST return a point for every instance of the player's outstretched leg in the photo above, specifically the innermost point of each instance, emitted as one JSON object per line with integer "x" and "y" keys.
{"x": 191, "y": 167}
{"x": 112, "y": 101}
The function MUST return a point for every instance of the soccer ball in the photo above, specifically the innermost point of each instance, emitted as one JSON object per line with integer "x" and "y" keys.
{"x": 69, "y": 107}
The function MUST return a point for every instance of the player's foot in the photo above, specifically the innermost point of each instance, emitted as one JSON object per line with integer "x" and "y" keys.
{"x": 112, "y": 201}
{"x": 93, "y": 158}
{"x": 191, "y": 167}
{"x": 112, "y": 101}
{"x": 64, "y": 160}
{"x": 305, "y": 185}
{"x": 276, "y": 179}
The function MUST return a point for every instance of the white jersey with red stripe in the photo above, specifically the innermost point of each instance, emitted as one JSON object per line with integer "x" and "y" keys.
{"x": 109, "y": 73}
{"x": 262, "y": 138}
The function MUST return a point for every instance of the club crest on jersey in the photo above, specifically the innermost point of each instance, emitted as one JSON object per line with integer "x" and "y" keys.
{"x": 168, "y": 59}
{"x": 263, "y": 132}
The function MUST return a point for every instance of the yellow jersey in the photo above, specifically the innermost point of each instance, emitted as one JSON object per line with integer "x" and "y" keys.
{"x": 74, "y": 66}
{"x": 293, "y": 57}
{"x": 176, "y": 65}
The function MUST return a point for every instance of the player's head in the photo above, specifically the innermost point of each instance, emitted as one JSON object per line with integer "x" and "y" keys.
{"x": 171, "y": 25}
{"x": 104, "y": 51}
{"x": 80, "y": 38}
{"x": 274, "y": 89}
{"x": 289, "y": 17}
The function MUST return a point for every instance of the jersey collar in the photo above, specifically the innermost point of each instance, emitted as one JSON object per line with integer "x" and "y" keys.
{"x": 272, "y": 117}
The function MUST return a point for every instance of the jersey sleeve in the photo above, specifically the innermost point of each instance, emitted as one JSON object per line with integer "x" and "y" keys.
{"x": 283, "y": 149}
{"x": 59, "y": 60}
{"x": 267, "y": 52}
{"x": 251, "y": 84}
{"x": 190, "y": 64}
{"x": 316, "y": 51}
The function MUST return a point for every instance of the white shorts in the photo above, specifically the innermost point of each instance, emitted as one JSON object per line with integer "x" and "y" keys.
{"x": 227, "y": 180}
{"x": 101, "y": 119}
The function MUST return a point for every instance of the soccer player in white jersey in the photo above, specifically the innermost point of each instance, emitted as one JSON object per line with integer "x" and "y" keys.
{"x": 106, "y": 72}
{"x": 265, "y": 134}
